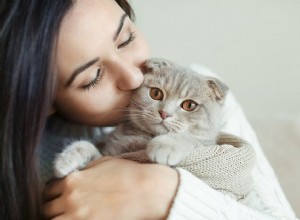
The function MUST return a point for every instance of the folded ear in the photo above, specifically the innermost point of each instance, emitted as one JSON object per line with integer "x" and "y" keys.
{"x": 155, "y": 64}
{"x": 219, "y": 89}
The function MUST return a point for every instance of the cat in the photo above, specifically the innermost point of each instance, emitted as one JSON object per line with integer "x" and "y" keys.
{"x": 174, "y": 111}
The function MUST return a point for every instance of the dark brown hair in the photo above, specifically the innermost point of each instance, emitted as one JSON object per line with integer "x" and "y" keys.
{"x": 28, "y": 31}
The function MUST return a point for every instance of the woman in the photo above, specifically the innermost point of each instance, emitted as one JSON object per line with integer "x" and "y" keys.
{"x": 81, "y": 60}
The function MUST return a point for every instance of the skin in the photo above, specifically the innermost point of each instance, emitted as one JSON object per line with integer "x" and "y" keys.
{"x": 108, "y": 188}
{"x": 88, "y": 33}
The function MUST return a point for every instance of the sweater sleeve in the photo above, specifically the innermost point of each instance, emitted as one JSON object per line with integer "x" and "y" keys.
{"x": 196, "y": 200}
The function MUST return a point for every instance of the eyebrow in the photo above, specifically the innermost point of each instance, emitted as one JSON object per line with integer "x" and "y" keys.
{"x": 121, "y": 24}
{"x": 80, "y": 69}
{"x": 83, "y": 67}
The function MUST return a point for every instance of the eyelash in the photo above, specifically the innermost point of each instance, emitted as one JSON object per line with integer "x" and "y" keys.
{"x": 99, "y": 75}
{"x": 131, "y": 38}
{"x": 95, "y": 81}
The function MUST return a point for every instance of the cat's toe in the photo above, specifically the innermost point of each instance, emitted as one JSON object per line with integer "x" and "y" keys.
{"x": 173, "y": 158}
{"x": 167, "y": 157}
{"x": 74, "y": 157}
{"x": 163, "y": 154}
{"x": 62, "y": 167}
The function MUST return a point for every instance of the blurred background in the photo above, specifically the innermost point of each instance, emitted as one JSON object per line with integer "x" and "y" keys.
{"x": 254, "y": 45}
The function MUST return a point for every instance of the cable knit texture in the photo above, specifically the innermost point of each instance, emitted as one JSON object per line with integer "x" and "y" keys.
{"x": 195, "y": 200}
{"x": 226, "y": 167}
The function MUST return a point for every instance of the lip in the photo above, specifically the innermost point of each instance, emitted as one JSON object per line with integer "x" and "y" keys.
{"x": 162, "y": 124}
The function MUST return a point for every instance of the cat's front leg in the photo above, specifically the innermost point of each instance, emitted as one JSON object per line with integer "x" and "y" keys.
{"x": 119, "y": 144}
{"x": 74, "y": 157}
{"x": 169, "y": 149}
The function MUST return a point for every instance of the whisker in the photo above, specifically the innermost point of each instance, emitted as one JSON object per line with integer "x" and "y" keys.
{"x": 176, "y": 126}
{"x": 140, "y": 117}
{"x": 136, "y": 104}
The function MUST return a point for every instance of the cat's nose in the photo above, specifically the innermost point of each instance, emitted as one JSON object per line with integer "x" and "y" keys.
{"x": 163, "y": 115}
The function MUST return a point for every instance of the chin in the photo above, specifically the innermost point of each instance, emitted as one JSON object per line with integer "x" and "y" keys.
{"x": 113, "y": 120}
{"x": 159, "y": 129}
{"x": 105, "y": 120}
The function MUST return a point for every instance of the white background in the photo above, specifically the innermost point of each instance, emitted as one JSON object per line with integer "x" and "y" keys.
{"x": 254, "y": 45}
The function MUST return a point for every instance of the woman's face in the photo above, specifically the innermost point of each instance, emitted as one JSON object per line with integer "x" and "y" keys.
{"x": 99, "y": 57}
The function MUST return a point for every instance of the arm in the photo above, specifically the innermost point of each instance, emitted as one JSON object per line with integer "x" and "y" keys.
{"x": 109, "y": 187}
{"x": 113, "y": 189}
{"x": 195, "y": 200}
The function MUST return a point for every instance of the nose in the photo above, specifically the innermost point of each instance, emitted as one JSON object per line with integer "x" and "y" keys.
{"x": 129, "y": 76}
{"x": 164, "y": 115}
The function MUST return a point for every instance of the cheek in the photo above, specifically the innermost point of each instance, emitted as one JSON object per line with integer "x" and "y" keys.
{"x": 142, "y": 101}
{"x": 95, "y": 107}
{"x": 79, "y": 106}
{"x": 141, "y": 96}
{"x": 142, "y": 50}
{"x": 185, "y": 117}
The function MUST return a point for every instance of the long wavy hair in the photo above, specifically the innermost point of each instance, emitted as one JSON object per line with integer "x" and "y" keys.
{"x": 28, "y": 31}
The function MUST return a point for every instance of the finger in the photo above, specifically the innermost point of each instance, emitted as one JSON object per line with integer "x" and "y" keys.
{"x": 53, "y": 208}
{"x": 96, "y": 162}
{"x": 53, "y": 189}
{"x": 63, "y": 217}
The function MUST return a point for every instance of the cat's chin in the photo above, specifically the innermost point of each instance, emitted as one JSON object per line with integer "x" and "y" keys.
{"x": 159, "y": 129}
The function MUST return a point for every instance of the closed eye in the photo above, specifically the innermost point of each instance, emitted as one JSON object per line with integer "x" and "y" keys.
{"x": 95, "y": 81}
{"x": 131, "y": 38}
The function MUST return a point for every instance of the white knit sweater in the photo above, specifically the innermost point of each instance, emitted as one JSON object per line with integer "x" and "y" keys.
{"x": 194, "y": 199}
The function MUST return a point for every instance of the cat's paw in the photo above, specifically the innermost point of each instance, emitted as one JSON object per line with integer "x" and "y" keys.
{"x": 165, "y": 150}
{"x": 74, "y": 157}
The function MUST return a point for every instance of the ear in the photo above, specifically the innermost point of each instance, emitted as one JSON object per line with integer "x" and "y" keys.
{"x": 155, "y": 64}
{"x": 219, "y": 89}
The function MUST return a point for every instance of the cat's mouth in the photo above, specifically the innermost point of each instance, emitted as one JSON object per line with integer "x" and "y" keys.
{"x": 160, "y": 128}
{"x": 165, "y": 126}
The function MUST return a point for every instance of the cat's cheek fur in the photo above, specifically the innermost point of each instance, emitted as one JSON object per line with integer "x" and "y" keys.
{"x": 74, "y": 157}
{"x": 166, "y": 150}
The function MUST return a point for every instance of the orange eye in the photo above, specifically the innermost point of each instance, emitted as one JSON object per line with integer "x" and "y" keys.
{"x": 156, "y": 94}
{"x": 189, "y": 105}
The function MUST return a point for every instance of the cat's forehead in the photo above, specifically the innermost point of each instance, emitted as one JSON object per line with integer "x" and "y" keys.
{"x": 178, "y": 82}
{"x": 173, "y": 74}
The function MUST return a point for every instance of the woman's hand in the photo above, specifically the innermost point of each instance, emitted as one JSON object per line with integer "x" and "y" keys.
{"x": 113, "y": 189}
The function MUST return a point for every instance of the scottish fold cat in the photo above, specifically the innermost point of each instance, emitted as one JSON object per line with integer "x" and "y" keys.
{"x": 173, "y": 112}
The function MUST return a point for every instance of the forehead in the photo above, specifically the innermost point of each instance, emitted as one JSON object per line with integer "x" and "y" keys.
{"x": 85, "y": 15}
{"x": 88, "y": 26}
{"x": 179, "y": 82}
{"x": 172, "y": 75}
